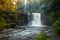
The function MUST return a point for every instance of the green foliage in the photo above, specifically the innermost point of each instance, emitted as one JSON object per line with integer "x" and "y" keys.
{"x": 52, "y": 17}
{"x": 3, "y": 23}
{"x": 55, "y": 18}
{"x": 50, "y": 38}
{"x": 56, "y": 27}
{"x": 42, "y": 36}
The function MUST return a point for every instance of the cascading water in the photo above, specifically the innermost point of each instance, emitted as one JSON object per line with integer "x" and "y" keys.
{"x": 36, "y": 21}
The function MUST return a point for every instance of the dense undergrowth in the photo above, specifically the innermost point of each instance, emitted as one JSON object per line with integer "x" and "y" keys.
{"x": 43, "y": 36}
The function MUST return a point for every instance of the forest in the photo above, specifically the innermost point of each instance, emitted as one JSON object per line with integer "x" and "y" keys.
{"x": 12, "y": 13}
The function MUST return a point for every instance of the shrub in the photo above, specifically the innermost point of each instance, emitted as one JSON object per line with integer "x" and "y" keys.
{"x": 3, "y": 23}
{"x": 42, "y": 36}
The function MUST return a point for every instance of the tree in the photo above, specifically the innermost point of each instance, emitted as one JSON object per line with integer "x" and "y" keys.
{"x": 7, "y": 13}
{"x": 55, "y": 16}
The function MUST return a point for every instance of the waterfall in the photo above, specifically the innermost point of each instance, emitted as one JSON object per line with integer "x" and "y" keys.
{"x": 36, "y": 20}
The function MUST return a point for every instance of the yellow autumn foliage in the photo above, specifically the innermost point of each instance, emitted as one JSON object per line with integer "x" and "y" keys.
{"x": 11, "y": 7}
{"x": 8, "y": 5}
